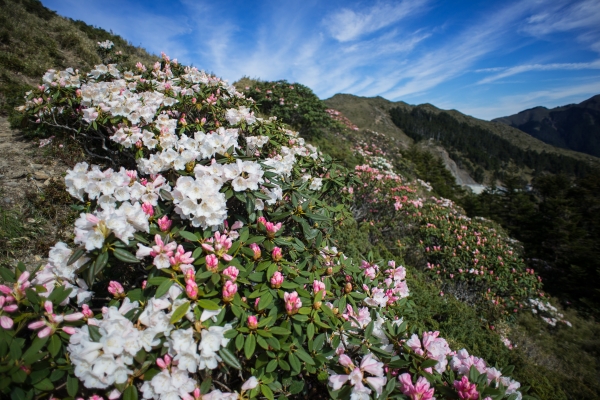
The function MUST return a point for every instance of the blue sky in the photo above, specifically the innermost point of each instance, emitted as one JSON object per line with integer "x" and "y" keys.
{"x": 484, "y": 58}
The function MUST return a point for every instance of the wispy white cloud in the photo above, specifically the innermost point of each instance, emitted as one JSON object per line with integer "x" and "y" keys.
{"x": 539, "y": 67}
{"x": 347, "y": 24}
{"x": 582, "y": 17}
{"x": 457, "y": 56}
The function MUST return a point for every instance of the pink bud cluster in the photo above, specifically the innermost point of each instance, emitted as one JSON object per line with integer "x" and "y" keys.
{"x": 219, "y": 245}
{"x": 292, "y": 302}
{"x": 276, "y": 280}
{"x": 48, "y": 325}
{"x": 418, "y": 391}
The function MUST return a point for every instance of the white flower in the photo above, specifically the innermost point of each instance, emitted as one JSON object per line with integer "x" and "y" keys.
{"x": 212, "y": 340}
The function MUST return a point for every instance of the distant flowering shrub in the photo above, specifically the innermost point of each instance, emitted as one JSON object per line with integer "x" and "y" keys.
{"x": 202, "y": 265}
{"x": 460, "y": 252}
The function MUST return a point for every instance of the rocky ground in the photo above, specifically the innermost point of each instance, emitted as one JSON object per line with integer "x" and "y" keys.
{"x": 34, "y": 208}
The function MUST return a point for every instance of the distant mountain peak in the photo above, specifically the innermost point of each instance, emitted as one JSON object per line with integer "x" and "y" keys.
{"x": 573, "y": 126}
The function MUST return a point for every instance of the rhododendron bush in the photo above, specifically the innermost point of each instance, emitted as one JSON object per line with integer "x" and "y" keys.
{"x": 468, "y": 257}
{"x": 201, "y": 265}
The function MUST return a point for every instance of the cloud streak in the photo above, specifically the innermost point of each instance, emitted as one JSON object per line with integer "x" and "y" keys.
{"x": 347, "y": 24}
{"x": 539, "y": 67}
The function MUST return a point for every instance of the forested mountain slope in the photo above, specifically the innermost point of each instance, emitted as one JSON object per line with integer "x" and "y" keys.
{"x": 574, "y": 126}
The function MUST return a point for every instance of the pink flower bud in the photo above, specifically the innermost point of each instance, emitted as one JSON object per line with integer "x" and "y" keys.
{"x": 231, "y": 272}
{"x": 45, "y": 332}
{"x": 23, "y": 278}
{"x": 74, "y": 317}
{"x": 229, "y": 291}
{"x": 257, "y": 253}
{"x": 252, "y": 322}
{"x": 85, "y": 310}
{"x": 6, "y": 322}
{"x": 48, "y": 306}
{"x": 115, "y": 289}
{"x": 276, "y": 254}
{"x": 164, "y": 223}
{"x": 212, "y": 263}
{"x": 148, "y": 209}
{"x": 276, "y": 280}
{"x": 69, "y": 330}
{"x": 318, "y": 286}
{"x": 292, "y": 302}
{"x": 161, "y": 364}
{"x": 191, "y": 289}
{"x": 10, "y": 308}
{"x": 167, "y": 359}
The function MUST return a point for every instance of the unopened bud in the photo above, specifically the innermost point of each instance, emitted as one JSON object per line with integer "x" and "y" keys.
{"x": 348, "y": 287}
{"x": 329, "y": 270}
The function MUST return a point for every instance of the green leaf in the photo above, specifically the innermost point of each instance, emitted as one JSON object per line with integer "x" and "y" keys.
{"x": 319, "y": 342}
{"x": 473, "y": 374}
{"x": 100, "y": 263}
{"x": 310, "y": 331}
{"x": 59, "y": 294}
{"x": 180, "y": 312}
{"x": 265, "y": 300}
{"x": 249, "y": 346}
{"x": 32, "y": 296}
{"x": 229, "y": 358}
{"x": 208, "y": 304}
{"x": 57, "y": 374}
{"x": 205, "y": 386}
{"x": 239, "y": 342}
{"x": 276, "y": 330}
{"x": 296, "y": 387}
{"x": 16, "y": 350}
{"x": 7, "y": 275}
{"x": 156, "y": 280}
{"x": 18, "y": 393}
{"x": 44, "y": 385}
{"x": 130, "y": 393}
{"x": 163, "y": 288}
{"x": 271, "y": 366}
{"x": 304, "y": 356}
{"x": 35, "y": 348}
{"x": 294, "y": 363}
{"x": 267, "y": 392}
{"x": 76, "y": 255}
{"x": 125, "y": 256}
{"x": 428, "y": 363}
{"x": 140, "y": 238}
{"x": 94, "y": 333}
{"x": 188, "y": 236}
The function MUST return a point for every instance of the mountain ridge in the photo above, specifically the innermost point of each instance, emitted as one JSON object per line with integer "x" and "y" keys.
{"x": 572, "y": 126}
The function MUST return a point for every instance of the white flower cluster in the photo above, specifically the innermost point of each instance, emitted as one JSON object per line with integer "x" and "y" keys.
{"x": 57, "y": 273}
{"x": 107, "y": 44}
{"x": 92, "y": 229}
{"x": 177, "y": 152}
{"x": 242, "y": 113}
{"x": 169, "y": 385}
{"x": 181, "y": 344}
{"x": 551, "y": 316}
{"x": 199, "y": 199}
{"x": 66, "y": 78}
{"x": 119, "y": 195}
{"x": 106, "y": 362}
{"x": 462, "y": 362}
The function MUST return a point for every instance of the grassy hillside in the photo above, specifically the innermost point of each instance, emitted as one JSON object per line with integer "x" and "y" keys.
{"x": 34, "y": 39}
